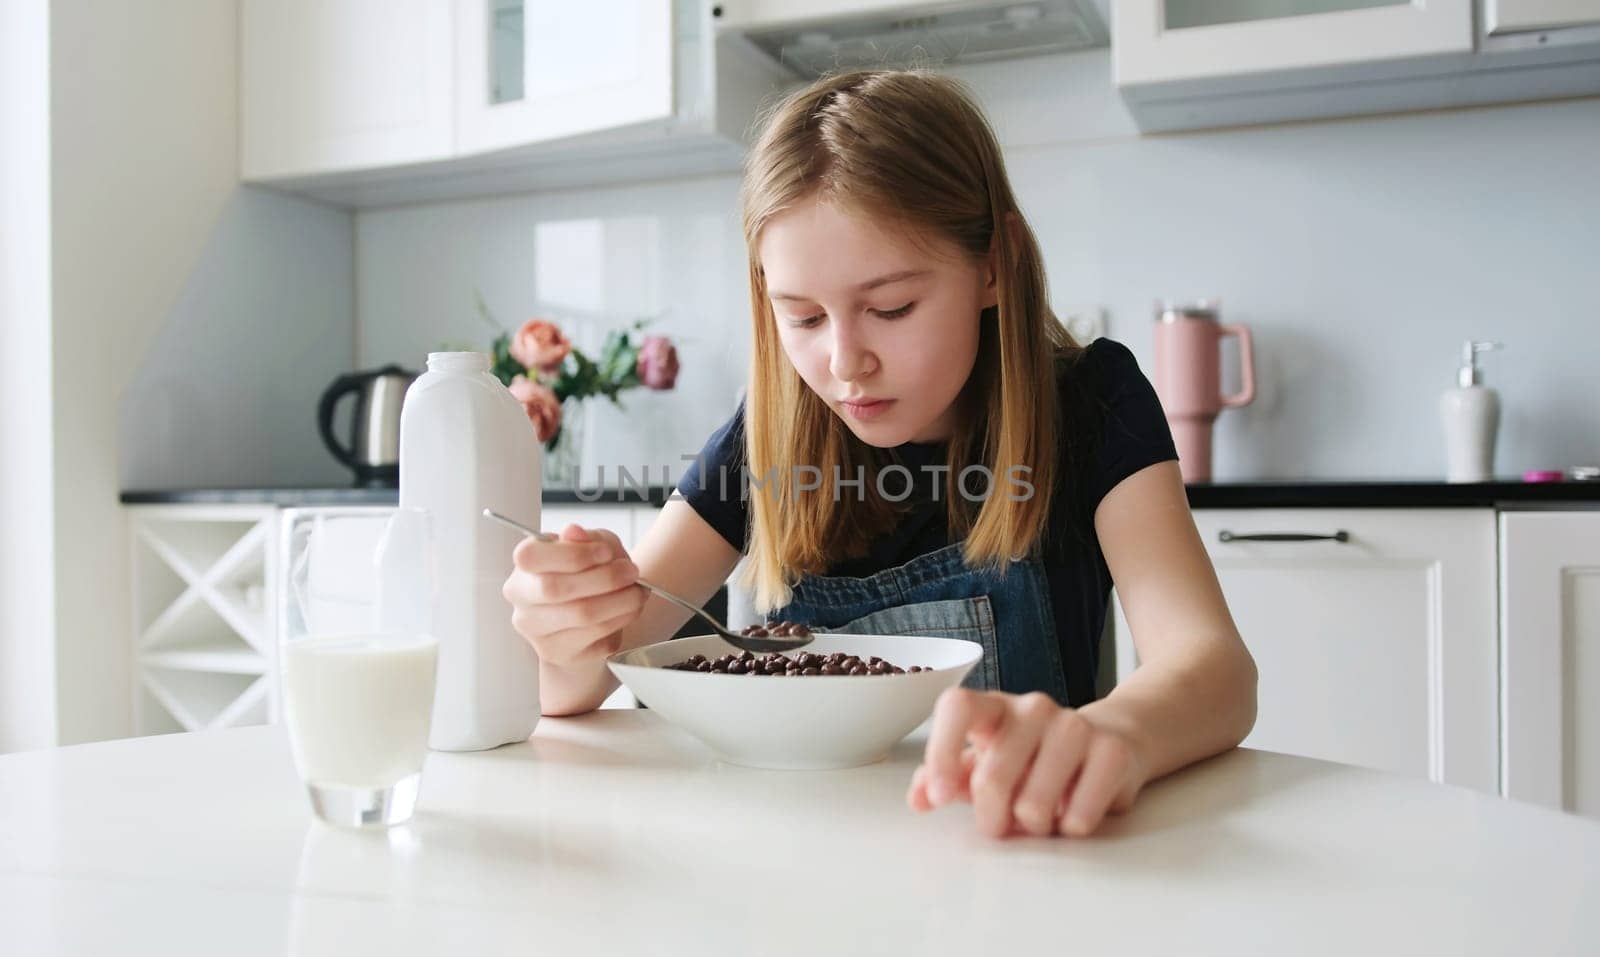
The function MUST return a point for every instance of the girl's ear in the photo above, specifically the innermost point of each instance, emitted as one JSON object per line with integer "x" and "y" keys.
{"x": 991, "y": 262}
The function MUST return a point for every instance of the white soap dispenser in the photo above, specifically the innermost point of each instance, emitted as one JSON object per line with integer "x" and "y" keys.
{"x": 1471, "y": 414}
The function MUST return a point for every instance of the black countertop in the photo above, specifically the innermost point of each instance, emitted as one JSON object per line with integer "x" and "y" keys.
{"x": 1278, "y": 493}
{"x": 292, "y": 497}
{"x": 1391, "y": 493}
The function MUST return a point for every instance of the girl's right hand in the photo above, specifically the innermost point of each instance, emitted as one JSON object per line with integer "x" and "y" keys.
{"x": 571, "y": 598}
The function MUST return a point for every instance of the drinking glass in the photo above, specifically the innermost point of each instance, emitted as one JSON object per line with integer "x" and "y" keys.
{"x": 358, "y": 658}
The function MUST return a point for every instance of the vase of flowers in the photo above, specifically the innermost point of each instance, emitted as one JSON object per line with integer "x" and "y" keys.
{"x": 553, "y": 379}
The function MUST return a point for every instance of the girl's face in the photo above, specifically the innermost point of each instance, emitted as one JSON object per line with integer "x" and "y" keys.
{"x": 886, "y": 333}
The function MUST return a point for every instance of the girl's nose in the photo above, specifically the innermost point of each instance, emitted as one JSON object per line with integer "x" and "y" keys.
{"x": 851, "y": 359}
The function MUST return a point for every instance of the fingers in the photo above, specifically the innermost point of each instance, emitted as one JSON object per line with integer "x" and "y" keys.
{"x": 1000, "y": 770}
{"x": 917, "y": 793}
{"x": 555, "y": 588}
{"x": 1106, "y": 772}
{"x": 597, "y": 640}
{"x": 571, "y": 596}
{"x": 576, "y": 550}
{"x": 1027, "y": 764}
{"x": 549, "y": 620}
{"x": 1061, "y": 752}
{"x": 957, "y": 713}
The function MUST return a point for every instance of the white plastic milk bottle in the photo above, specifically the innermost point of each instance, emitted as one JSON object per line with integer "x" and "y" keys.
{"x": 466, "y": 445}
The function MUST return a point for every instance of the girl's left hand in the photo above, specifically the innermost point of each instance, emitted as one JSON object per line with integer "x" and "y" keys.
{"x": 1027, "y": 764}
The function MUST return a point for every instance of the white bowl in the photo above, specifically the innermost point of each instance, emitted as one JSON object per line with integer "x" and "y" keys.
{"x": 795, "y": 723}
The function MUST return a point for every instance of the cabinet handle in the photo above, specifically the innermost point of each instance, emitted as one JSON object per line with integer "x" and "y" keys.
{"x": 1227, "y": 536}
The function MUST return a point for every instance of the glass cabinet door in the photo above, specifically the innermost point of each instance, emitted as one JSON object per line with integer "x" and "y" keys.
{"x": 1166, "y": 41}
{"x": 536, "y": 70}
{"x": 507, "y": 51}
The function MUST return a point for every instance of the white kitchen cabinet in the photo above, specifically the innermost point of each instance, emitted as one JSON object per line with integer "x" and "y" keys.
{"x": 1517, "y": 16}
{"x": 327, "y": 87}
{"x": 529, "y": 72}
{"x": 514, "y": 96}
{"x": 1550, "y": 621}
{"x": 1195, "y": 64}
{"x": 1161, "y": 41}
{"x": 1376, "y": 650}
{"x": 203, "y": 619}
{"x": 204, "y": 597}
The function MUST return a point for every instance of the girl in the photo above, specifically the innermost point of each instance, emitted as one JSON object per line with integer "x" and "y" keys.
{"x": 923, "y": 450}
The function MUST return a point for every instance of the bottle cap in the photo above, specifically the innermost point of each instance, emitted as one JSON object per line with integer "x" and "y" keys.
{"x": 1543, "y": 475}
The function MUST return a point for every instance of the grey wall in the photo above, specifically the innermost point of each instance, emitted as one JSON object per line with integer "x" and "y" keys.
{"x": 227, "y": 392}
{"x": 1361, "y": 253}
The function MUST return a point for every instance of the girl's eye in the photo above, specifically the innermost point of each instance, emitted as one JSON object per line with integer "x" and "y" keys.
{"x": 805, "y": 323}
{"x": 904, "y": 310}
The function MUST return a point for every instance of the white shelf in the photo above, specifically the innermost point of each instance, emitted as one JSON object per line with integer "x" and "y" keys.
{"x": 204, "y": 648}
{"x": 202, "y": 700}
{"x": 221, "y": 660}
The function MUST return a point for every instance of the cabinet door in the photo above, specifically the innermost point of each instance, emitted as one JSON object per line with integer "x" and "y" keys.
{"x": 1515, "y": 16}
{"x": 1161, "y": 41}
{"x": 529, "y": 72}
{"x": 356, "y": 84}
{"x": 1378, "y": 650}
{"x": 1550, "y": 609}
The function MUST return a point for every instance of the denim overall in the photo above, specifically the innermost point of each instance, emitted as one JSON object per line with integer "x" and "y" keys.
{"x": 939, "y": 596}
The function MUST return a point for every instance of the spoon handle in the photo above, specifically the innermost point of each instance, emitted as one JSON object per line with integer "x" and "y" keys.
{"x": 513, "y": 523}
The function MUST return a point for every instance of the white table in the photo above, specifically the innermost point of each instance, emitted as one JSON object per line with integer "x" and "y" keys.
{"x": 614, "y": 833}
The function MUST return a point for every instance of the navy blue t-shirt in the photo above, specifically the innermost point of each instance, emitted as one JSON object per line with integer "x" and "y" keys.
{"x": 1112, "y": 426}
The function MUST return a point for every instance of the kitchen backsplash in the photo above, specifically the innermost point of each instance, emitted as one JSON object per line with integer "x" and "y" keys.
{"x": 1361, "y": 252}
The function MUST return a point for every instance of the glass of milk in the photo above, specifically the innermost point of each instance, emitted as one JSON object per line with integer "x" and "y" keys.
{"x": 358, "y": 658}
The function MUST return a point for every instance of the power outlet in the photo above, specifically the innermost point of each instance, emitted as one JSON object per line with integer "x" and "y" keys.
{"x": 1084, "y": 323}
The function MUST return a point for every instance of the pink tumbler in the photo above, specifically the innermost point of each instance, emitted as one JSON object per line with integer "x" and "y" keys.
{"x": 1188, "y": 378}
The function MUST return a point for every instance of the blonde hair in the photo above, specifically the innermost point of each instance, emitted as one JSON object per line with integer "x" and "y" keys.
{"x": 909, "y": 149}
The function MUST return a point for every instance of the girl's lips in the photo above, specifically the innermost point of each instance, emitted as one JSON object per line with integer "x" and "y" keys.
{"x": 866, "y": 411}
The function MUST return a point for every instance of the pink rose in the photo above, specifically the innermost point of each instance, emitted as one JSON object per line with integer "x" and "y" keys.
{"x": 541, "y": 404}
{"x": 658, "y": 363}
{"x": 540, "y": 345}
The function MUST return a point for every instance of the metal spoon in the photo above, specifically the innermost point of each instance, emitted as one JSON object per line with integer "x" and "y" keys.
{"x": 749, "y": 643}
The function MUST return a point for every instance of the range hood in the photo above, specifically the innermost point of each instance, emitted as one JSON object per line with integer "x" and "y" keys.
{"x": 816, "y": 37}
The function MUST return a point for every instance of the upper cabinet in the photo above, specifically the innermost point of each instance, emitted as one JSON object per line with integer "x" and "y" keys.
{"x": 327, "y": 87}
{"x": 376, "y": 102}
{"x": 1188, "y": 64}
{"x": 530, "y": 71}
{"x": 1161, "y": 41}
{"x": 1514, "y": 16}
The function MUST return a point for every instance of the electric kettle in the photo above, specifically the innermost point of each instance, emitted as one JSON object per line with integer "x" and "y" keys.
{"x": 373, "y": 448}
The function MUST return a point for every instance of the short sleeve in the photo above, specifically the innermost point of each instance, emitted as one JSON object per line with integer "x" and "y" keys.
{"x": 1136, "y": 433}
{"x": 713, "y": 482}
